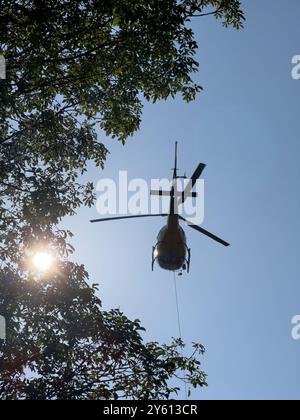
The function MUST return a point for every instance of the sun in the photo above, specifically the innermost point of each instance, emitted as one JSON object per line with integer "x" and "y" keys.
{"x": 42, "y": 261}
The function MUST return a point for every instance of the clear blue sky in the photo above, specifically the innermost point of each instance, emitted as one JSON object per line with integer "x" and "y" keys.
{"x": 238, "y": 302}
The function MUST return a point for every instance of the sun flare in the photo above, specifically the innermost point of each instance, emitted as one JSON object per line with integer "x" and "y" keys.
{"x": 42, "y": 261}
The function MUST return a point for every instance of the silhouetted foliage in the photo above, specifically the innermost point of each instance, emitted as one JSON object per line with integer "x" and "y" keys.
{"x": 73, "y": 66}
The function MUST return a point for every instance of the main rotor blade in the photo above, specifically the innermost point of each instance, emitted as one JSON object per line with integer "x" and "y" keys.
{"x": 198, "y": 172}
{"x": 196, "y": 175}
{"x": 205, "y": 232}
{"x": 108, "y": 219}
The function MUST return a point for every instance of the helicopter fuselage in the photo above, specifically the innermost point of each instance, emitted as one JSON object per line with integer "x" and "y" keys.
{"x": 171, "y": 251}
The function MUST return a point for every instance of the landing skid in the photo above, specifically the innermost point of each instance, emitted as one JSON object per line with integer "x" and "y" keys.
{"x": 187, "y": 264}
{"x": 153, "y": 258}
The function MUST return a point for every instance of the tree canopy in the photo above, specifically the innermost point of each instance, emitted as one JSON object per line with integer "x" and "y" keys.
{"x": 71, "y": 67}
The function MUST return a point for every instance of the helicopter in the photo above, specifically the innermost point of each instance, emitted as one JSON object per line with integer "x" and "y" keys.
{"x": 171, "y": 251}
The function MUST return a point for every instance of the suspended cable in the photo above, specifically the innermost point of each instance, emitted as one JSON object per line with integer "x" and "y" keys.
{"x": 179, "y": 326}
